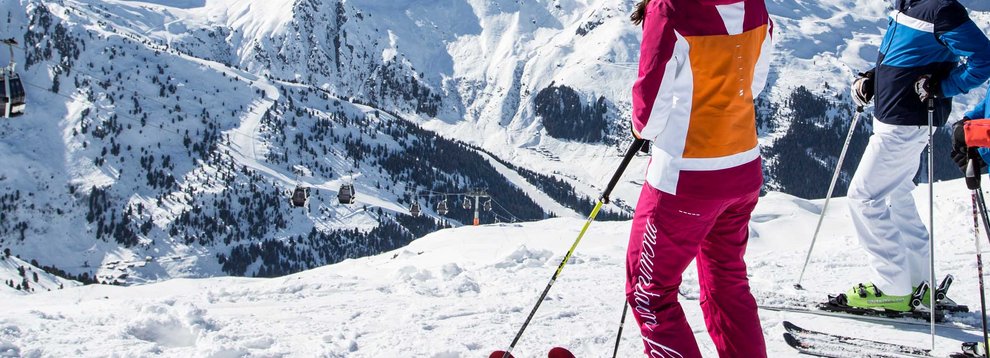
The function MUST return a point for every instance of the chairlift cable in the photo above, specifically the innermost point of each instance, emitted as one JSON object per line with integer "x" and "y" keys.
{"x": 506, "y": 210}
{"x": 97, "y": 108}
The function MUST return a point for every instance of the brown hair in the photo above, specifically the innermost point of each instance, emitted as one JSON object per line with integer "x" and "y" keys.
{"x": 639, "y": 14}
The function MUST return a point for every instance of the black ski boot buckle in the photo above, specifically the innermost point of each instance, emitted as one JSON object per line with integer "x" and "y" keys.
{"x": 918, "y": 296}
{"x": 943, "y": 288}
{"x": 838, "y": 300}
{"x": 862, "y": 291}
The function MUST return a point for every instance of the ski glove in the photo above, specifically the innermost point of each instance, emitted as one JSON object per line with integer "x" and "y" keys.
{"x": 863, "y": 88}
{"x": 927, "y": 88}
{"x": 961, "y": 152}
{"x": 962, "y": 160}
{"x": 959, "y": 135}
{"x": 645, "y": 149}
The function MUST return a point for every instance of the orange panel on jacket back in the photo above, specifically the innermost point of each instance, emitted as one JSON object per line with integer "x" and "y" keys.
{"x": 722, "y": 114}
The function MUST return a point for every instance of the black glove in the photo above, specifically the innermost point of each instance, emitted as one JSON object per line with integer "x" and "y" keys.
{"x": 962, "y": 153}
{"x": 863, "y": 88}
{"x": 961, "y": 158}
{"x": 645, "y": 149}
{"x": 959, "y": 135}
{"x": 927, "y": 88}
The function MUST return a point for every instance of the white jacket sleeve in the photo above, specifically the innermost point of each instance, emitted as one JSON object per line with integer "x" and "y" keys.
{"x": 762, "y": 69}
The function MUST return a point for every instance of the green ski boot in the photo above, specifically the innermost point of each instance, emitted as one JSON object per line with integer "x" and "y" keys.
{"x": 869, "y": 297}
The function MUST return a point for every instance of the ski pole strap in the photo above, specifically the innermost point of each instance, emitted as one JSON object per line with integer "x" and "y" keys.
{"x": 630, "y": 153}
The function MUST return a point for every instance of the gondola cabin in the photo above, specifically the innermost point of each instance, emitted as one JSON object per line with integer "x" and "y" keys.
{"x": 300, "y": 197}
{"x": 11, "y": 89}
{"x": 466, "y": 204}
{"x": 347, "y": 195}
{"x": 488, "y": 205}
{"x": 12, "y": 95}
{"x": 414, "y": 210}
{"x": 442, "y": 207}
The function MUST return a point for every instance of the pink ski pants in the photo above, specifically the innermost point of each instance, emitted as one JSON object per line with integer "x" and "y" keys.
{"x": 668, "y": 232}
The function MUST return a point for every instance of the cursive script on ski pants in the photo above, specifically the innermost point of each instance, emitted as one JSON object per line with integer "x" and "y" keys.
{"x": 668, "y": 232}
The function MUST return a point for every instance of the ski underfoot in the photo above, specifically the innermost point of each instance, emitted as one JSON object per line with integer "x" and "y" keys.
{"x": 947, "y": 315}
{"x": 822, "y": 344}
{"x": 916, "y": 315}
{"x": 838, "y": 303}
{"x": 947, "y": 320}
{"x": 558, "y": 352}
{"x": 555, "y": 352}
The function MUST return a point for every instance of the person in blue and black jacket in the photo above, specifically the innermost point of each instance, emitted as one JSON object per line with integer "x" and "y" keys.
{"x": 920, "y": 59}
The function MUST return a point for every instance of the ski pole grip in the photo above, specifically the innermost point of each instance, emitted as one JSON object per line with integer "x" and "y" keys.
{"x": 972, "y": 177}
{"x": 636, "y": 145}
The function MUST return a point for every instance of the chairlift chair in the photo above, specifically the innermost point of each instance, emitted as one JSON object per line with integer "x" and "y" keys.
{"x": 347, "y": 195}
{"x": 442, "y": 207}
{"x": 414, "y": 210}
{"x": 300, "y": 197}
{"x": 12, "y": 98}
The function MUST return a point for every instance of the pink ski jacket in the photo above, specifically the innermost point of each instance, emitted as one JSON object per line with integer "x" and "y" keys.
{"x": 702, "y": 63}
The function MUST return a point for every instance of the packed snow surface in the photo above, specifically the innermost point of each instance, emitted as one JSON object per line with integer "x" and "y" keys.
{"x": 464, "y": 292}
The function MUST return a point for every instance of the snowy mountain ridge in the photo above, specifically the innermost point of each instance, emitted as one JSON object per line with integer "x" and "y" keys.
{"x": 18, "y": 276}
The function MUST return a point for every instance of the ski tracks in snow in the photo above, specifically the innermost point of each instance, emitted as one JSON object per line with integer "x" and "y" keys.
{"x": 244, "y": 142}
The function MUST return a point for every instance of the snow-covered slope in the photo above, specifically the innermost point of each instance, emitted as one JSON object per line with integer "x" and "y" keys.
{"x": 464, "y": 292}
{"x": 17, "y": 276}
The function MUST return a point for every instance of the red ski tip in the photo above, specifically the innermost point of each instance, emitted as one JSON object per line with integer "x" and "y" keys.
{"x": 500, "y": 354}
{"x": 558, "y": 352}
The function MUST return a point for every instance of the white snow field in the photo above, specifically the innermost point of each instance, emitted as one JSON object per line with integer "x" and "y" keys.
{"x": 464, "y": 292}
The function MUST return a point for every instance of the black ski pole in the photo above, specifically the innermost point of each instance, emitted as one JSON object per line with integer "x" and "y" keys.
{"x": 622, "y": 323}
{"x": 973, "y": 183}
{"x": 828, "y": 197}
{"x": 604, "y": 199}
{"x": 931, "y": 213}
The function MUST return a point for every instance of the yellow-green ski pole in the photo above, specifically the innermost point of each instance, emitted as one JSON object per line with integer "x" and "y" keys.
{"x": 604, "y": 199}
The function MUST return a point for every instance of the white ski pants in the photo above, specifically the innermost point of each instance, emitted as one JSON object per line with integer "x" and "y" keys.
{"x": 883, "y": 209}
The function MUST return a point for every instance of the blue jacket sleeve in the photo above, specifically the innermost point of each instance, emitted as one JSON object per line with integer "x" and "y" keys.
{"x": 966, "y": 40}
{"x": 980, "y": 111}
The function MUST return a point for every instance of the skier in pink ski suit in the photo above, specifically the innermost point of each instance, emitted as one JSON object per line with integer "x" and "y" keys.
{"x": 702, "y": 63}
